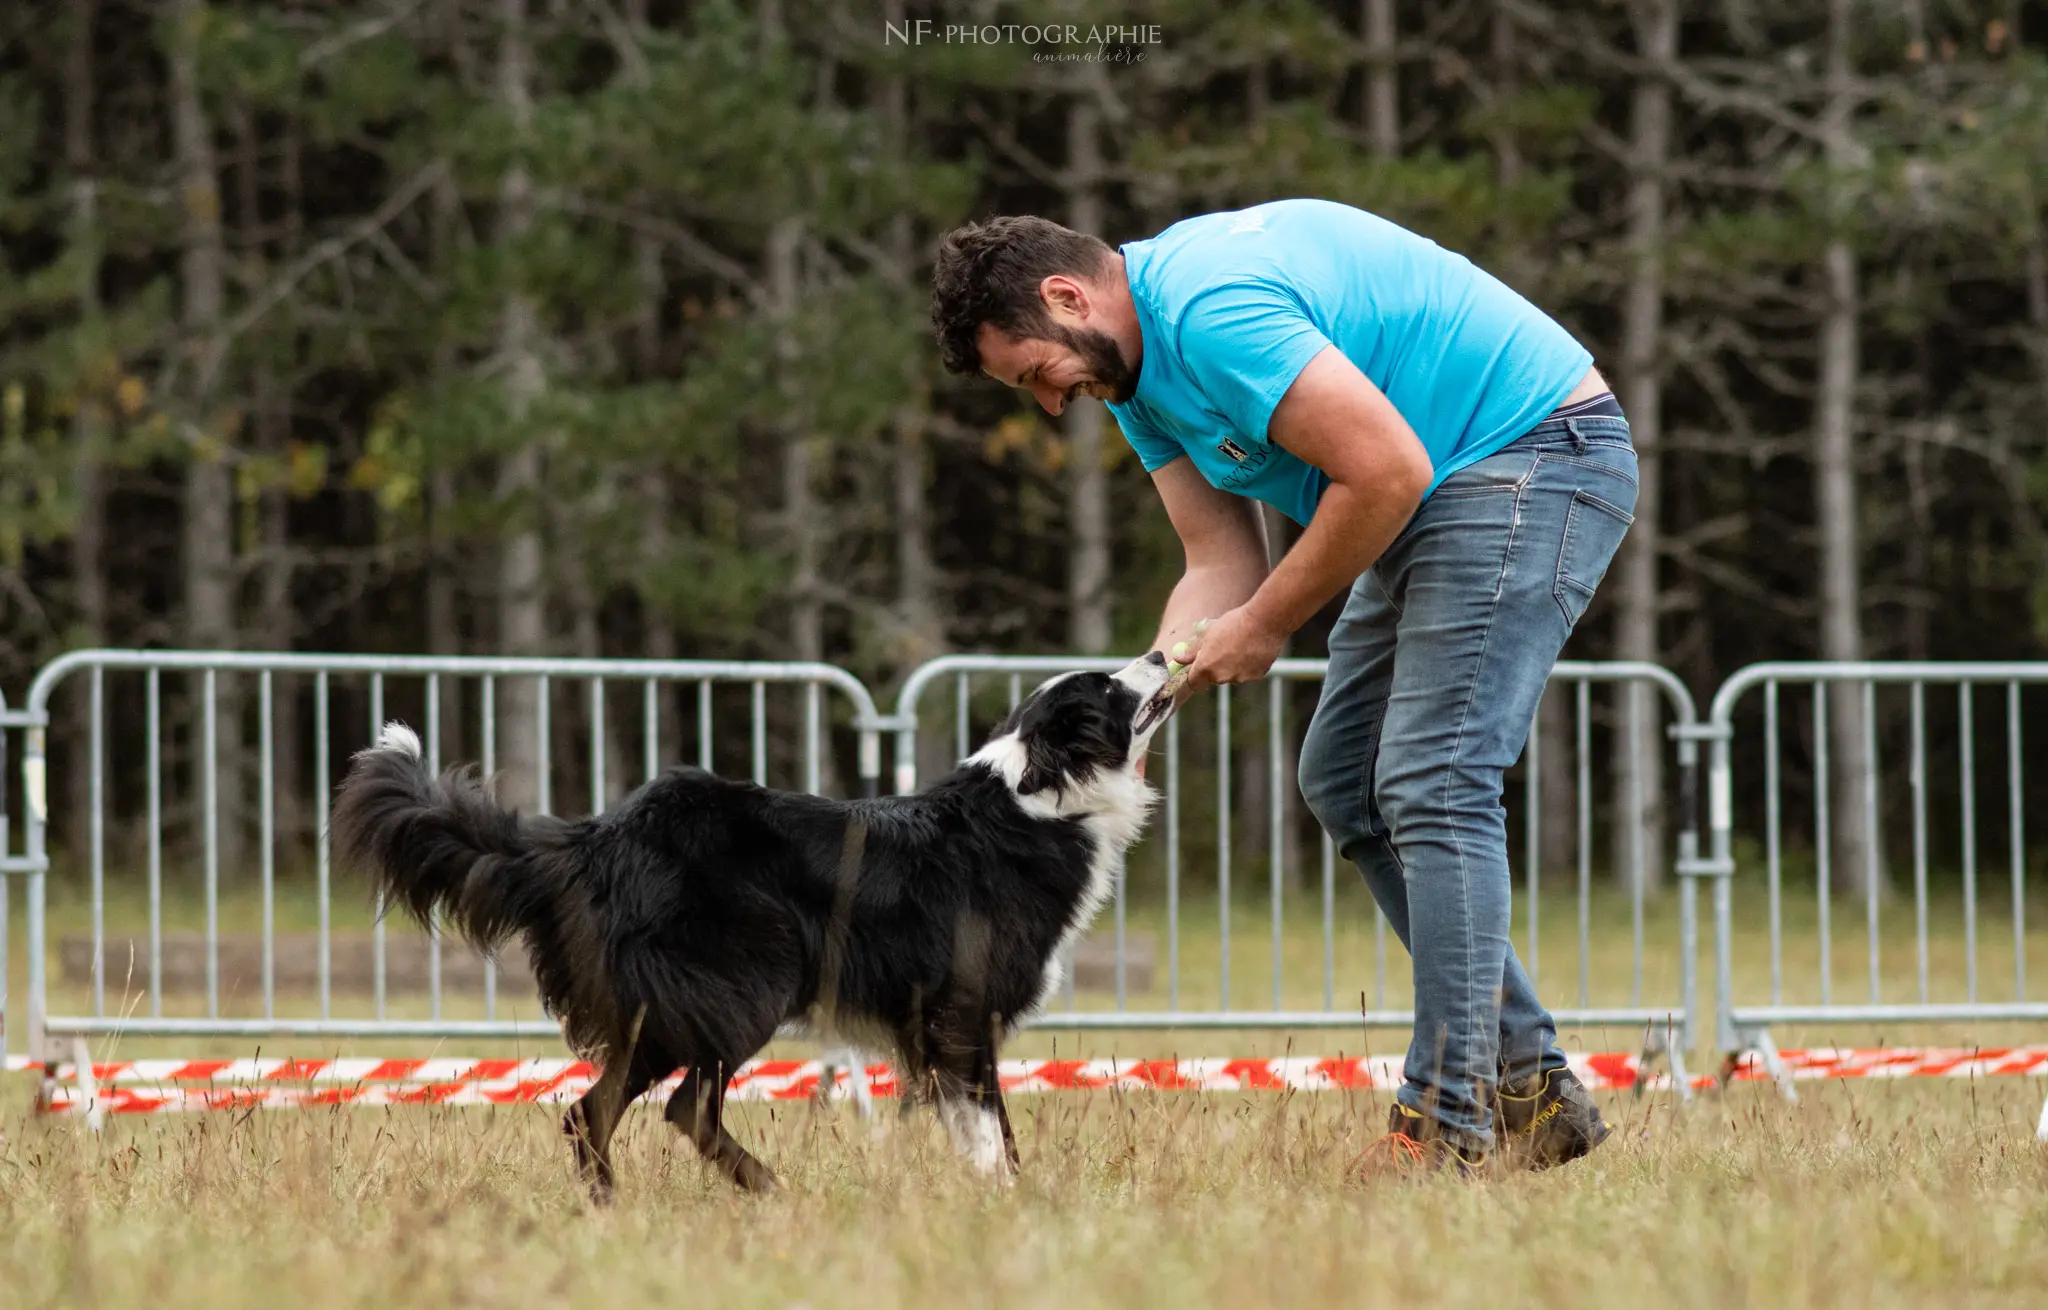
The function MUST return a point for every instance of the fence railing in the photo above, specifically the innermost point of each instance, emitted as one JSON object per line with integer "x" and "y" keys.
{"x": 508, "y": 711}
{"x": 1863, "y": 778}
{"x": 1819, "y": 739}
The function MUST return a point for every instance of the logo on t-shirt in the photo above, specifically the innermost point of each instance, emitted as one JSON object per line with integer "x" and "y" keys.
{"x": 1232, "y": 449}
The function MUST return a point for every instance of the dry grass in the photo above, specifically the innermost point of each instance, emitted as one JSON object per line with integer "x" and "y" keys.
{"x": 1861, "y": 1195}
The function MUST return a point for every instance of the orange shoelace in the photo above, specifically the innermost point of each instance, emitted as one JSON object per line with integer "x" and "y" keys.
{"x": 1398, "y": 1151}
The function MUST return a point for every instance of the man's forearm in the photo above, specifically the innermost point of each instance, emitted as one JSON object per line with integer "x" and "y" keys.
{"x": 1350, "y": 531}
{"x": 1204, "y": 593}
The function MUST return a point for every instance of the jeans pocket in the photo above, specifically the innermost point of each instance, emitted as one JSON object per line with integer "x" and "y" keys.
{"x": 1593, "y": 529}
{"x": 1502, "y": 473}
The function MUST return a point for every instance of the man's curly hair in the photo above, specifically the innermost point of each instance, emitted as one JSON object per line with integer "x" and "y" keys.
{"x": 989, "y": 273}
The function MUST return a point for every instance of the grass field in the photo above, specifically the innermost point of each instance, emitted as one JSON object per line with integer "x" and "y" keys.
{"x": 1861, "y": 1195}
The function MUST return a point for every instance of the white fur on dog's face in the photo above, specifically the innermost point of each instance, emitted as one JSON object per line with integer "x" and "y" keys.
{"x": 1148, "y": 677}
{"x": 1099, "y": 789}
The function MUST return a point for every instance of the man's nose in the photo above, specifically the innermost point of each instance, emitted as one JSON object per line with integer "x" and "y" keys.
{"x": 1051, "y": 399}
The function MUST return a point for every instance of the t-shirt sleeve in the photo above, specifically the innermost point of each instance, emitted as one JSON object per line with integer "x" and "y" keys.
{"x": 1154, "y": 451}
{"x": 1244, "y": 343}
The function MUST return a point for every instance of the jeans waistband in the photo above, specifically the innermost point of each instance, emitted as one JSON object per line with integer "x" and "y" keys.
{"x": 1598, "y": 420}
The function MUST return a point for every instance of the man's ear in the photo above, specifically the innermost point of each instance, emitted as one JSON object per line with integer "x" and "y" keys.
{"x": 1063, "y": 293}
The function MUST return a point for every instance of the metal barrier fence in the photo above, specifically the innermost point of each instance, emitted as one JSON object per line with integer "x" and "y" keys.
{"x": 1620, "y": 1003}
{"x": 154, "y": 719}
{"x": 441, "y": 695}
{"x": 1977, "y": 702}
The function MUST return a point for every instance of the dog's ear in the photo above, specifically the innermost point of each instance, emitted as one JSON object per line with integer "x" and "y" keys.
{"x": 1035, "y": 781}
{"x": 1044, "y": 766}
{"x": 1037, "y": 777}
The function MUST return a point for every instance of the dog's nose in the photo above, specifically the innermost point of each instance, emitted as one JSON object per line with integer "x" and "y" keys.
{"x": 1155, "y": 657}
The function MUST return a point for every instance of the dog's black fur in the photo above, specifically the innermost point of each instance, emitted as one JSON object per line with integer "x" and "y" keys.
{"x": 680, "y": 929}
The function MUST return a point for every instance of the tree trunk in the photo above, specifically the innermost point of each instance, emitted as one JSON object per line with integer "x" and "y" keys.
{"x": 1918, "y": 564}
{"x": 923, "y": 631}
{"x": 804, "y": 515}
{"x": 89, "y": 421}
{"x": 1501, "y": 55}
{"x": 917, "y": 572}
{"x": 918, "y": 615}
{"x": 1641, "y": 771}
{"x": 209, "y": 520}
{"x": 799, "y": 503}
{"x": 1841, "y": 619}
{"x": 1088, "y": 599}
{"x": 276, "y": 624}
{"x": 658, "y": 634}
{"x": 1382, "y": 80}
{"x": 920, "y": 625}
{"x": 800, "y": 508}
{"x": 522, "y": 600}
{"x": 2037, "y": 307}
{"x": 919, "y": 612}
{"x": 442, "y": 559}
{"x": 295, "y": 805}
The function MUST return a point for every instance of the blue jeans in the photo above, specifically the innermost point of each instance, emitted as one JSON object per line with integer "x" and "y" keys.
{"x": 1436, "y": 668}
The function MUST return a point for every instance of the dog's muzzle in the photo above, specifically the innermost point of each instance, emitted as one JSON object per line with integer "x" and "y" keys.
{"x": 1159, "y": 683}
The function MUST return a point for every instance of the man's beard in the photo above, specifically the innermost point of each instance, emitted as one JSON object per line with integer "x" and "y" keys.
{"x": 1105, "y": 362}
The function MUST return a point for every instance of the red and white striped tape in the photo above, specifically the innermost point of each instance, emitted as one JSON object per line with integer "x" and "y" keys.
{"x": 162, "y": 1086}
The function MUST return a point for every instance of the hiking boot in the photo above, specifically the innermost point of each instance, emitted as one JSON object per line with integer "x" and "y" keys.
{"x": 1414, "y": 1144}
{"x": 1547, "y": 1119}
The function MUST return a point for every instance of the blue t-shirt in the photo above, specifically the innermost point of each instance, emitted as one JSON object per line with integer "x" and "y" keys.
{"x": 1233, "y": 306}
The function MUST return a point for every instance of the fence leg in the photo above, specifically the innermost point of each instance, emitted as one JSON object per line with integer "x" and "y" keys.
{"x": 88, "y": 1085}
{"x": 1681, "y": 1078}
{"x": 855, "y": 1064}
{"x": 1775, "y": 1065}
{"x": 1658, "y": 1044}
{"x": 1759, "y": 1042}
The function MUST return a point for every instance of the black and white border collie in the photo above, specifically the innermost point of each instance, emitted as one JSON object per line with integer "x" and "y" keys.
{"x": 679, "y": 930}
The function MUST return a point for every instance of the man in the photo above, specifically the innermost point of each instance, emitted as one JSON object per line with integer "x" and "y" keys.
{"x": 1459, "y": 465}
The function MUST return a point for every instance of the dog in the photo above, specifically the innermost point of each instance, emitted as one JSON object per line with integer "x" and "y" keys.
{"x": 682, "y": 928}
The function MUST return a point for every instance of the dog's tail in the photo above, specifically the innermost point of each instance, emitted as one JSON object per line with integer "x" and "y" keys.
{"x": 444, "y": 845}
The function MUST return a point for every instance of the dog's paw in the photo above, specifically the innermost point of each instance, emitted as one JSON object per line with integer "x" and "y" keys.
{"x": 753, "y": 1176}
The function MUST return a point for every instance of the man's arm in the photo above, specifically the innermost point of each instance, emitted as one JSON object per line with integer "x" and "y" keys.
{"x": 1225, "y": 542}
{"x": 1334, "y": 418}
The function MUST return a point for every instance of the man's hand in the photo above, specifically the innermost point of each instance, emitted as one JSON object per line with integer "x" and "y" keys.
{"x": 1238, "y": 647}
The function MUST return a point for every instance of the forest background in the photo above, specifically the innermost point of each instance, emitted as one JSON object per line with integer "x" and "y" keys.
{"x": 599, "y": 327}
